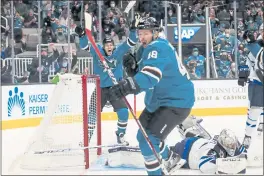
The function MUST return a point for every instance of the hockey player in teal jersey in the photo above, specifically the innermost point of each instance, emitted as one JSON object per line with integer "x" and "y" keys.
{"x": 113, "y": 56}
{"x": 169, "y": 94}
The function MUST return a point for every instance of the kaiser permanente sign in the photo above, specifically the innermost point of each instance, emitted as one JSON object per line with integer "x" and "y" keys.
{"x": 25, "y": 105}
{"x": 191, "y": 33}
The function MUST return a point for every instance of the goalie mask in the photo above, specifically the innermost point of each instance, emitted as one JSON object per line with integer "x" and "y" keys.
{"x": 228, "y": 140}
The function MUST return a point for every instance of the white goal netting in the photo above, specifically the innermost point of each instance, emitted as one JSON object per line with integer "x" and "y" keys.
{"x": 70, "y": 125}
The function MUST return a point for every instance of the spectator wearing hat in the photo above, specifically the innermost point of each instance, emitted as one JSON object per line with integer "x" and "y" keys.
{"x": 221, "y": 30}
{"x": 46, "y": 61}
{"x": 196, "y": 63}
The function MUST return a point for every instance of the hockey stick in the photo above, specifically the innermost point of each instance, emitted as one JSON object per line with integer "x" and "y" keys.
{"x": 74, "y": 149}
{"x": 129, "y": 6}
{"x": 88, "y": 24}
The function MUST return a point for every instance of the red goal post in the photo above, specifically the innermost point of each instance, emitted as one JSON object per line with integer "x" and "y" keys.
{"x": 85, "y": 80}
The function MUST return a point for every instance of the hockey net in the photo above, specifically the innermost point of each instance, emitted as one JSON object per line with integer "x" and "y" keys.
{"x": 71, "y": 125}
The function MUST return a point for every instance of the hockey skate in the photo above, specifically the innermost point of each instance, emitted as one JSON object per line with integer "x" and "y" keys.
{"x": 246, "y": 141}
{"x": 121, "y": 139}
{"x": 174, "y": 162}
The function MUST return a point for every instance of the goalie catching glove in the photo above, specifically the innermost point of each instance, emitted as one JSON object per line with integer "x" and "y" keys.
{"x": 123, "y": 88}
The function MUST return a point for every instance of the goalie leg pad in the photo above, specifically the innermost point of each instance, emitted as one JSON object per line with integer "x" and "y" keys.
{"x": 191, "y": 127}
{"x": 125, "y": 157}
{"x": 231, "y": 165}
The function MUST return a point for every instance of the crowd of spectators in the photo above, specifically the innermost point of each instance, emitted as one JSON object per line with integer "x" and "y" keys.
{"x": 55, "y": 22}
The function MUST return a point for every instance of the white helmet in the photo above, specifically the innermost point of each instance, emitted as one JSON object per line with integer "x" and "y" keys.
{"x": 228, "y": 140}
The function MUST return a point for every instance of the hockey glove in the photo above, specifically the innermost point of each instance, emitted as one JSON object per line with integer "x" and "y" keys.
{"x": 123, "y": 88}
{"x": 135, "y": 22}
{"x": 261, "y": 42}
{"x": 130, "y": 64}
{"x": 80, "y": 31}
{"x": 243, "y": 75}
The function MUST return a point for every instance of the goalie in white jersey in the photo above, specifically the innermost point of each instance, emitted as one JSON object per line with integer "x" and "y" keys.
{"x": 201, "y": 152}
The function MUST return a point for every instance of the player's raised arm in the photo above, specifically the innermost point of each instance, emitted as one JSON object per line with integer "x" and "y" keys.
{"x": 122, "y": 49}
{"x": 84, "y": 42}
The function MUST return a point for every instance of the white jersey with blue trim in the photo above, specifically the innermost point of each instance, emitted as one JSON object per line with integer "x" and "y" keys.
{"x": 201, "y": 154}
{"x": 254, "y": 60}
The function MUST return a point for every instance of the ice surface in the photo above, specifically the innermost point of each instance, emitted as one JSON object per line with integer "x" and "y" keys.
{"x": 15, "y": 142}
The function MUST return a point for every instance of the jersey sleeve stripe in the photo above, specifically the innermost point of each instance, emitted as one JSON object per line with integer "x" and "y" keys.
{"x": 130, "y": 42}
{"x": 153, "y": 72}
{"x": 86, "y": 47}
{"x": 205, "y": 161}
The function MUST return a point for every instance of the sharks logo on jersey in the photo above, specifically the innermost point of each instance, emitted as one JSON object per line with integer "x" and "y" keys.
{"x": 112, "y": 63}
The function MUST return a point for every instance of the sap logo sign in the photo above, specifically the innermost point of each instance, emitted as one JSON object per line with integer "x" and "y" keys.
{"x": 187, "y": 33}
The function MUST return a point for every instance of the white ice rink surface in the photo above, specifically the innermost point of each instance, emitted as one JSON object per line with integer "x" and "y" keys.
{"x": 15, "y": 142}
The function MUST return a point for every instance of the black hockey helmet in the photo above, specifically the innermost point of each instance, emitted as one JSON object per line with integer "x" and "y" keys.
{"x": 148, "y": 23}
{"x": 108, "y": 40}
